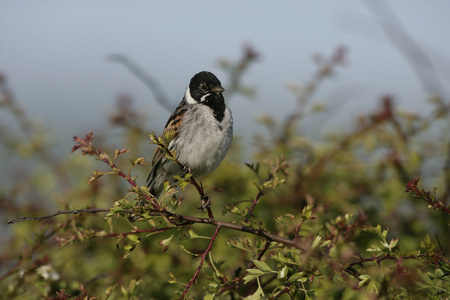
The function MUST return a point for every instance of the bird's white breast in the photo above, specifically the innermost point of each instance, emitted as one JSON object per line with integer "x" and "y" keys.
{"x": 204, "y": 141}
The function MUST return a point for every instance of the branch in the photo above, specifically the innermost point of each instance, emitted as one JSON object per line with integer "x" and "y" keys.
{"x": 412, "y": 186}
{"x": 87, "y": 148}
{"x": 178, "y": 218}
{"x": 59, "y": 212}
{"x": 149, "y": 81}
{"x": 202, "y": 260}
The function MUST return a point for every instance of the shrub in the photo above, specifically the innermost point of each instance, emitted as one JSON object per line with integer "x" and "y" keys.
{"x": 337, "y": 217}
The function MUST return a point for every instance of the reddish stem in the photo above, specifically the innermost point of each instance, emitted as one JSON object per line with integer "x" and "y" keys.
{"x": 202, "y": 260}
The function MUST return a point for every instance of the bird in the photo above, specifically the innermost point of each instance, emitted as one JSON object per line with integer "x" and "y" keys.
{"x": 199, "y": 132}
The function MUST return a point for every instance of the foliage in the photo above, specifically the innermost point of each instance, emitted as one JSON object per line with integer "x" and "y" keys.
{"x": 324, "y": 218}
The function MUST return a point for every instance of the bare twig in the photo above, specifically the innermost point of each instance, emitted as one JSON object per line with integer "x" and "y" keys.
{"x": 59, "y": 212}
{"x": 149, "y": 81}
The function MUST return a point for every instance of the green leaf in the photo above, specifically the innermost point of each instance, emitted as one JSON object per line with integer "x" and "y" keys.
{"x": 282, "y": 273}
{"x": 364, "y": 278}
{"x": 393, "y": 243}
{"x": 256, "y": 272}
{"x": 209, "y": 297}
{"x": 109, "y": 291}
{"x": 259, "y": 294}
{"x": 172, "y": 279}
{"x": 252, "y": 274}
{"x": 165, "y": 243}
{"x": 187, "y": 251}
{"x": 134, "y": 238}
{"x": 192, "y": 234}
{"x": 262, "y": 266}
{"x": 138, "y": 161}
{"x": 372, "y": 287}
{"x": 300, "y": 276}
{"x": 316, "y": 242}
{"x": 281, "y": 258}
{"x": 377, "y": 231}
{"x": 95, "y": 175}
{"x": 132, "y": 285}
{"x": 217, "y": 272}
{"x": 307, "y": 211}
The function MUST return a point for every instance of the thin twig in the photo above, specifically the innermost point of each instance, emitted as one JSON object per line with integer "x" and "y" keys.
{"x": 59, "y": 212}
{"x": 149, "y": 81}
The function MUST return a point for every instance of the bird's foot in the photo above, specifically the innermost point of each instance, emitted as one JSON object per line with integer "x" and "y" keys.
{"x": 206, "y": 203}
{"x": 186, "y": 170}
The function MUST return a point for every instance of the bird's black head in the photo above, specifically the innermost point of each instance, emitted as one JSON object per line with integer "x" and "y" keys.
{"x": 205, "y": 86}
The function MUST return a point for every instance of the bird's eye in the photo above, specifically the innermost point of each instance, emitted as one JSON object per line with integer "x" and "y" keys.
{"x": 203, "y": 87}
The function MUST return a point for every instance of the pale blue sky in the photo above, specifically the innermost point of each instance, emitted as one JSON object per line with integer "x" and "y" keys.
{"x": 54, "y": 54}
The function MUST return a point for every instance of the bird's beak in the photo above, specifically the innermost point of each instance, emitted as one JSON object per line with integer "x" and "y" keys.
{"x": 218, "y": 89}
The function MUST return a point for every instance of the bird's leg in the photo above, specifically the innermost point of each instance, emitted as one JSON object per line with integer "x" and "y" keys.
{"x": 206, "y": 203}
{"x": 186, "y": 170}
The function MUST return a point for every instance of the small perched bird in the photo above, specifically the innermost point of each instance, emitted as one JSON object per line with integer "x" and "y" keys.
{"x": 200, "y": 130}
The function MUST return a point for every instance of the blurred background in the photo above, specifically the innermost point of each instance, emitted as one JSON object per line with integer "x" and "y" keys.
{"x": 55, "y": 55}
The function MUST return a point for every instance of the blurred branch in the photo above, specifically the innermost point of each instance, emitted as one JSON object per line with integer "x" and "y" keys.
{"x": 27, "y": 253}
{"x": 149, "y": 81}
{"x": 412, "y": 186}
{"x": 237, "y": 70}
{"x": 406, "y": 45}
{"x": 326, "y": 66}
{"x": 384, "y": 115}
